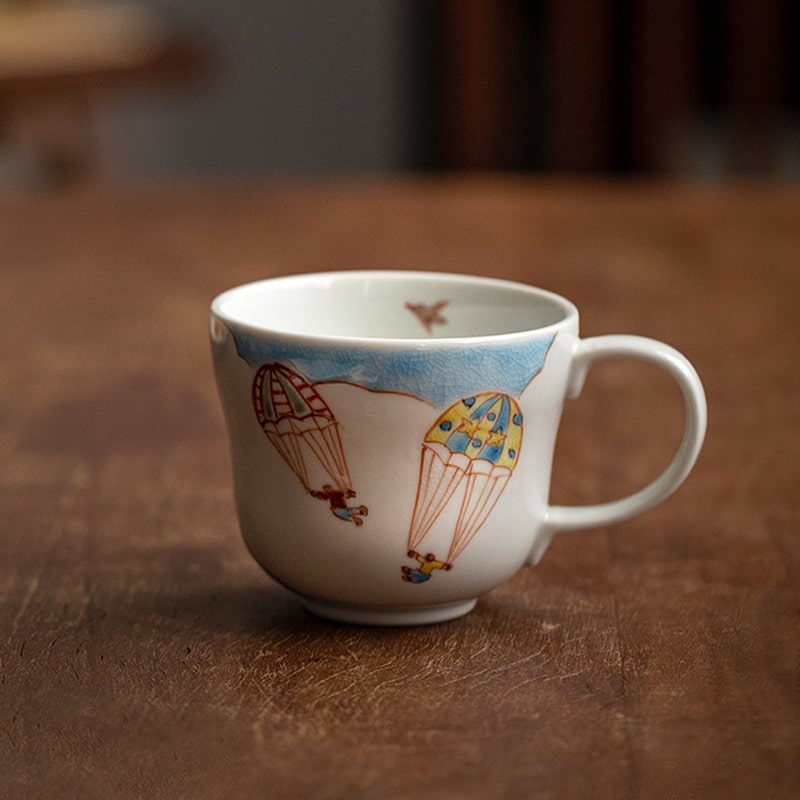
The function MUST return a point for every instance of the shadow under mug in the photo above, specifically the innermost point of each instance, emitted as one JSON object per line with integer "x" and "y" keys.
{"x": 392, "y": 433}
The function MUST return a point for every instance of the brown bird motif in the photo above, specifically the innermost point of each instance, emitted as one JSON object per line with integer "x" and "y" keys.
{"x": 428, "y": 315}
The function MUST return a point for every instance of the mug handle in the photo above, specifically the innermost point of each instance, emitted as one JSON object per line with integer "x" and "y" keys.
{"x": 571, "y": 518}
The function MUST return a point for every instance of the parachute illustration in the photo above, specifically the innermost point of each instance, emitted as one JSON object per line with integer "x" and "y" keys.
{"x": 303, "y": 429}
{"x": 467, "y": 457}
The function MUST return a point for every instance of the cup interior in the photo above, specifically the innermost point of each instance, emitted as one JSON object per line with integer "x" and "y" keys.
{"x": 391, "y": 305}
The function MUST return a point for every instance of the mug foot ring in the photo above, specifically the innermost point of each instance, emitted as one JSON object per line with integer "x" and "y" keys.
{"x": 376, "y": 615}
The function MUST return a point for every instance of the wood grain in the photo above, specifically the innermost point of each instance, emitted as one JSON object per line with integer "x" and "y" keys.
{"x": 144, "y": 654}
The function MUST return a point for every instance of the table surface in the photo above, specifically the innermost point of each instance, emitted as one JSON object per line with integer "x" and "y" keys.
{"x": 144, "y": 654}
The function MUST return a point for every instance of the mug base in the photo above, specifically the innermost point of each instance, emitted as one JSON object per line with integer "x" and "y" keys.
{"x": 376, "y": 615}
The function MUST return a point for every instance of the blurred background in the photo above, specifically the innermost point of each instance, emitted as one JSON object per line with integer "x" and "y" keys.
{"x": 98, "y": 89}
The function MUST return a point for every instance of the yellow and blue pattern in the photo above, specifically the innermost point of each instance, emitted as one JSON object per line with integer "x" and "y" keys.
{"x": 486, "y": 426}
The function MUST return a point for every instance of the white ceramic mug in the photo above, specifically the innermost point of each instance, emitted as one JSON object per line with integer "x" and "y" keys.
{"x": 392, "y": 433}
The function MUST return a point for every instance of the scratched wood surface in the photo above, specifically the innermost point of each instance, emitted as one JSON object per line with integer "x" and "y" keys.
{"x": 144, "y": 654}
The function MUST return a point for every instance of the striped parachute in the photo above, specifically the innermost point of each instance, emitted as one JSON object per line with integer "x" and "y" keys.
{"x": 301, "y": 427}
{"x": 467, "y": 457}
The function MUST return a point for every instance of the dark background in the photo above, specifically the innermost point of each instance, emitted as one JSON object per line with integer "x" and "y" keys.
{"x": 280, "y": 87}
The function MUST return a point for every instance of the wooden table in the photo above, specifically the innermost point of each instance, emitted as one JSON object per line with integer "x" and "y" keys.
{"x": 144, "y": 654}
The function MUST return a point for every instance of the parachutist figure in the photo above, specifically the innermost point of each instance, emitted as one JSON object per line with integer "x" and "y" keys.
{"x": 427, "y": 564}
{"x": 337, "y": 498}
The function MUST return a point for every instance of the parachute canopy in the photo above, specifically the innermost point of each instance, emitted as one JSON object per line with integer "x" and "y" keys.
{"x": 301, "y": 426}
{"x": 467, "y": 456}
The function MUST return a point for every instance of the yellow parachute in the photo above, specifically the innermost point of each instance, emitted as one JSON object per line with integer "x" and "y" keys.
{"x": 468, "y": 456}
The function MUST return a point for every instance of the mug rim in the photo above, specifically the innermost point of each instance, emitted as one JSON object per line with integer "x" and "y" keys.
{"x": 568, "y": 310}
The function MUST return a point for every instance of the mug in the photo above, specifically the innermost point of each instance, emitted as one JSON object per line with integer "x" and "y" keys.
{"x": 392, "y": 433}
